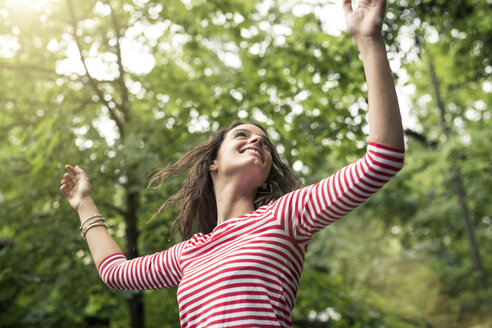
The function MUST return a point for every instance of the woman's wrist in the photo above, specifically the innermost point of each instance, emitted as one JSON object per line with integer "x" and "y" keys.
{"x": 368, "y": 43}
{"x": 372, "y": 49}
{"x": 87, "y": 207}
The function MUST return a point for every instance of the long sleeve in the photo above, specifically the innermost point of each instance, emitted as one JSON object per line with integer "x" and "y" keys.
{"x": 306, "y": 211}
{"x": 159, "y": 270}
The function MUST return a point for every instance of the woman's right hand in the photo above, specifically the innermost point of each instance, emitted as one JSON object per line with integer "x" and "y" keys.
{"x": 75, "y": 186}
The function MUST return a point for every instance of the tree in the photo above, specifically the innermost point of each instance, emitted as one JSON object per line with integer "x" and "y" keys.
{"x": 204, "y": 64}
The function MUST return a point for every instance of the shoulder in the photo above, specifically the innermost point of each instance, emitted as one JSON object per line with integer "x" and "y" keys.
{"x": 196, "y": 240}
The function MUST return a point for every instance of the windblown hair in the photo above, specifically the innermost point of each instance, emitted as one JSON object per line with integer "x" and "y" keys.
{"x": 196, "y": 198}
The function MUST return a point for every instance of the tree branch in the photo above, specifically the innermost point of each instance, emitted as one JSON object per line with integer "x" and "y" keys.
{"x": 26, "y": 122}
{"x": 27, "y": 68}
{"x": 93, "y": 82}
{"x": 114, "y": 208}
{"x": 30, "y": 68}
{"x": 121, "y": 77}
{"x": 460, "y": 188}
{"x": 438, "y": 98}
{"x": 421, "y": 138}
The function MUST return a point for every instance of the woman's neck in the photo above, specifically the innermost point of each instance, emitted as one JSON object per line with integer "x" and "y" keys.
{"x": 232, "y": 202}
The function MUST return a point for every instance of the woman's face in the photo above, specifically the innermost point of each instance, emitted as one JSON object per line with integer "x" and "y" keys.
{"x": 245, "y": 150}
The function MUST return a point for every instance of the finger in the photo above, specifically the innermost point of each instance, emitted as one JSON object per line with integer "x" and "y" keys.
{"x": 66, "y": 185}
{"x": 347, "y": 6}
{"x": 70, "y": 169}
{"x": 64, "y": 190}
{"x": 80, "y": 172}
{"x": 380, "y": 4}
{"x": 76, "y": 172}
{"x": 71, "y": 180}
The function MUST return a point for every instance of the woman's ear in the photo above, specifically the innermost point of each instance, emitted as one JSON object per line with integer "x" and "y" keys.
{"x": 213, "y": 167}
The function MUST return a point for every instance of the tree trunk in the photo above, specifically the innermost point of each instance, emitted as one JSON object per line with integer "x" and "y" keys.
{"x": 470, "y": 234}
{"x": 458, "y": 184}
{"x": 136, "y": 302}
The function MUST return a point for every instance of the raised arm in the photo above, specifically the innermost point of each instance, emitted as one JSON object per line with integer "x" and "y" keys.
{"x": 364, "y": 24}
{"x": 76, "y": 188}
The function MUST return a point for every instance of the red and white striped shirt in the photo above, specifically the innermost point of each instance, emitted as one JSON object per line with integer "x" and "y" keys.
{"x": 245, "y": 273}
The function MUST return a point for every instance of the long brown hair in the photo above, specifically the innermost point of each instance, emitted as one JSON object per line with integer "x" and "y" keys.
{"x": 197, "y": 197}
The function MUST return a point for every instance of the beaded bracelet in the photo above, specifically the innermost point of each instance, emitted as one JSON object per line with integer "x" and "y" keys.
{"x": 90, "y": 226}
{"x": 90, "y": 217}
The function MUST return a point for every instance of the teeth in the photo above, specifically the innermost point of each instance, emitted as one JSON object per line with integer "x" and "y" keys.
{"x": 252, "y": 151}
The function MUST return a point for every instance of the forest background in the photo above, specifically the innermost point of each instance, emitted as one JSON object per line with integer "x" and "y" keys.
{"x": 124, "y": 87}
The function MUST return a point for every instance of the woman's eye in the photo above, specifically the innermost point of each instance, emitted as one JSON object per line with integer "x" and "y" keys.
{"x": 240, "y": 134}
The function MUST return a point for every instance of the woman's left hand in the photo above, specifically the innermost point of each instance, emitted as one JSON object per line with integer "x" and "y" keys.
{"x": 366, "y": 20}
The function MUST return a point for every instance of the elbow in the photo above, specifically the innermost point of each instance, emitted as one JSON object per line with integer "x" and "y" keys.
{"x": 111, "y": 269}
{"x": 109, "y": 279}
{"x": 386, "y": 160}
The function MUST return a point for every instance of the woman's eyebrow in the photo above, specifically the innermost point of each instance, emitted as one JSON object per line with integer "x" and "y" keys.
{"x": 264, "y": 136}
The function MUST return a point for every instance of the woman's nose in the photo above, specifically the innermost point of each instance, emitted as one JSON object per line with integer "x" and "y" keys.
{"x": 257, "y": 140}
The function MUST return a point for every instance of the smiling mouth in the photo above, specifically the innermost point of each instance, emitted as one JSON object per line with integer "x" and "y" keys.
{"x": 253, "y": 151}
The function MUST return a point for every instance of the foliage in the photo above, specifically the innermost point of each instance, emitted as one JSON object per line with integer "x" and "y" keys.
{"x": 401, "y": 260}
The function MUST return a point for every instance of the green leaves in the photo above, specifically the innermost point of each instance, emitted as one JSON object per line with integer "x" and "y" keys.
{"x": 208, "y": 63}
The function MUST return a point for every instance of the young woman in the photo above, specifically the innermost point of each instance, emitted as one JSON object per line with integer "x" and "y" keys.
{"x": 243, "y": 266}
